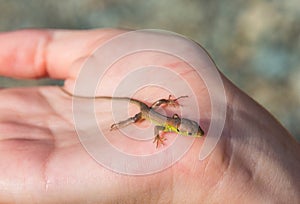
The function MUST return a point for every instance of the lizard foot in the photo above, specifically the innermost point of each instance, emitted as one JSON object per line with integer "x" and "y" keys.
{"x": 159, "y": 140}
{"x": 174, "y": 101}
{"x": 114, "y": 126}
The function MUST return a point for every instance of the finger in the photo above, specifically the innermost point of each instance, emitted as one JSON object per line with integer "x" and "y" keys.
{"x": 47, "y": 53}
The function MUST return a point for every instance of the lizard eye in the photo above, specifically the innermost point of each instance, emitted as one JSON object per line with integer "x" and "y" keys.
{"x": 175, "y": 116}
{"x": 189, "y": 133}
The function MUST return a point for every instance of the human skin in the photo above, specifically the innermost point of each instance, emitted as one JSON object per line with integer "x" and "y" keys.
{"x": 43, "y": 161}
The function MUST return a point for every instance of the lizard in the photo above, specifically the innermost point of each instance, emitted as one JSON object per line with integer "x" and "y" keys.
{"x": 181, "y": 126}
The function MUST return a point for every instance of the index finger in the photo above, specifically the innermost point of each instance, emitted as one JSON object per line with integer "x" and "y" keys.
{"x": 47, "y": 53}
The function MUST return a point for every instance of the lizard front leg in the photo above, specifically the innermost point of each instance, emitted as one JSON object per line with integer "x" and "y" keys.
{"x": 158, "y": 138}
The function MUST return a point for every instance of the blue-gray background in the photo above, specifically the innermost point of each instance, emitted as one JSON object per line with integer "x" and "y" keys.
{"x": 255, "y": 43}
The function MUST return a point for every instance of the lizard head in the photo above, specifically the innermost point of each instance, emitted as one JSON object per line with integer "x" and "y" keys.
{"x": 190, "y": 128}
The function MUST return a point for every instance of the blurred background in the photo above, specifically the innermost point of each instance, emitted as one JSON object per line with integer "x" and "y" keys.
{"x": 255, "y": 43}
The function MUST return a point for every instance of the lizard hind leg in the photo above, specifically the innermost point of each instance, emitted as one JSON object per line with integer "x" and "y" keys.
{"x": 126, "y": 122}
{"x": 166, "y": 102}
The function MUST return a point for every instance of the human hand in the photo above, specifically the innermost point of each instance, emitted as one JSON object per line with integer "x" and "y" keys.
{"x": 42, "y": 159}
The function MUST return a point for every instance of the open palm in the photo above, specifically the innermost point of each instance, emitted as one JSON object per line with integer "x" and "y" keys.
{"x": 42, "y": 159}
{"x": 41, "y": 156}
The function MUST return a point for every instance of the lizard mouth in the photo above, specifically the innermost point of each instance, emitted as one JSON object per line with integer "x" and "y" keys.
{"x": 200, "y": 132}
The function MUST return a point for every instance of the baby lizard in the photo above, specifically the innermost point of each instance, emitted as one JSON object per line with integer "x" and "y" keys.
{"x": 181, "y": 126}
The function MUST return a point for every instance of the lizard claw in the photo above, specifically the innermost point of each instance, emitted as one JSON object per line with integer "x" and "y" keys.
{"x": 159, "y": 140}
{"x": 174, "y": 101}
{"x": 113, "y": 127}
